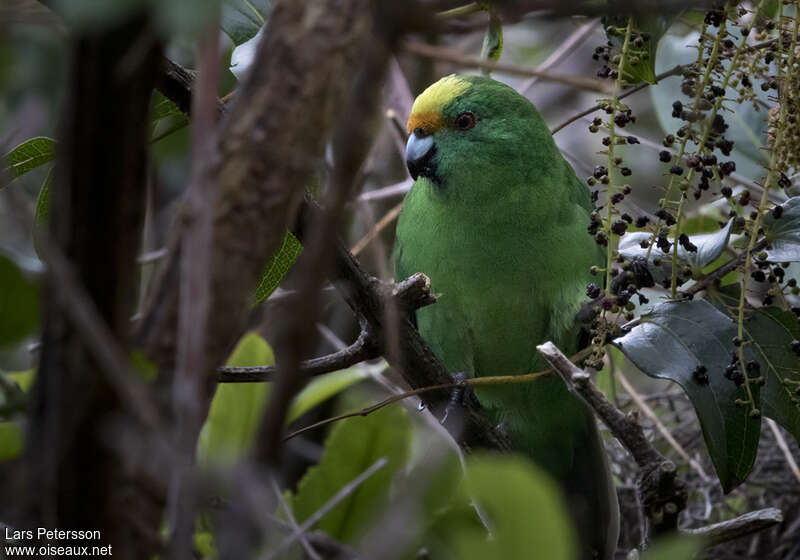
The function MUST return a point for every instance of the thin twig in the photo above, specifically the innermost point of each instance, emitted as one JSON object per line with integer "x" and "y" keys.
{"x": 562, "y": 52}
{"x": 337, "y": 498}
{"x": 456, "y": 57}
{"x": 387, "y": 219}
{"x": 362, "y": 349}
{"x": 287, "y": 511}
{"x": 397, "y": 189}
{"x": 784, "y": 447}
{"x": 492, "y": 380}
{"x": 644, "y": 407}
{"x": 674, "y": 72}
{"x": 736, "y": 177}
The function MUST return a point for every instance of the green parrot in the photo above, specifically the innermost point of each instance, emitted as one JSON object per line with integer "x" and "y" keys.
{"x": 497, "y": 220}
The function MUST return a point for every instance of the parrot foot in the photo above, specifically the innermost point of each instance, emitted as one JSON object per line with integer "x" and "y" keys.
{"x": 457, "y": 396}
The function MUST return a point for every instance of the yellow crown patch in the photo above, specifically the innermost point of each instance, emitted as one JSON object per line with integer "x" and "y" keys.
{"x": 426, "y": 112}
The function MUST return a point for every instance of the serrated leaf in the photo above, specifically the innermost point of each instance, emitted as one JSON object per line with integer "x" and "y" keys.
{"x": 322, "y": 388}
{"x": 277, "y": 267}
{"x": 353, "y": 446}
{"x": 241, "y": 19}
{"x": 523, "y": 507}
{"x": 771, "y": 331}
{"x": 19, "y": 304}
{"x": 783, "y": 234}
{"x": 709, "y": 247}
{"x": 29, "y": 155}
{"x": 670, "y": 343}
{"x": 237, "y": 408}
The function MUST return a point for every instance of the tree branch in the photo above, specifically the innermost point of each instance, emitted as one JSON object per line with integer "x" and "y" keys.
{"x": 456, "y": 57}
{"x": 409, "y": 295}
{"x": 746, "y": 524}
{"x": 663, "y": 495}
{"x": 401, "y": 344}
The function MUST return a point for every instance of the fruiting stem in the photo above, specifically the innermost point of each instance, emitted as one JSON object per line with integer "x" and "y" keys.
{"x": 611, "y": 164}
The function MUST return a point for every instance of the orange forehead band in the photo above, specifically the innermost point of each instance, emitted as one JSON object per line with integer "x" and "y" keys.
{"x": 428, "y": 121}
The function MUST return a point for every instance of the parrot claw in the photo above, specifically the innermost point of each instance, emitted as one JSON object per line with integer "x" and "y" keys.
{"x": 457, "y": 399}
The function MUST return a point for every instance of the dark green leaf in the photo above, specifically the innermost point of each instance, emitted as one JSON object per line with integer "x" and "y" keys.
{"x": 19, "y": 304}
{"x": 353, "y": 446}
{"x": 278, "y": 266}
{"x": 783, "y": 233}
{"x": 29, "y": 155}
{"x": 670, "y": 343}
{"x": 771, "y": 332}
{"x": 241, "y": 19}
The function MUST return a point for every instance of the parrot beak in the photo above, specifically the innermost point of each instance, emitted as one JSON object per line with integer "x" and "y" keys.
{"x": 419, "y": 156}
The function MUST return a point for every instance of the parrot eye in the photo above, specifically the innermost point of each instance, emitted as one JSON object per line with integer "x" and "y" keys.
{"x": 465, "y": 121}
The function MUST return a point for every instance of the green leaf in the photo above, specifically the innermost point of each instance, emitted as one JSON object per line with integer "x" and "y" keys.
{"x": 783, "y": 234}
{"x": 674, "y": 339}
{"x": 524, "y": 509}
{"x": 677, "y": 547}
{"x": 641, "y": 60}
{"x": 24, "y": 379}
{"x": 322, "y": 388}
{"x": 492, "y": 47}
{"x": 236, "y": 409}
{"x": 162, "y": 107}
{"x": 14, "y": 392}
{"x": 353, "y": 446}
{"x": 19, "y": 304}
{"x": 771, "y": 331}
{"x": 42, "y": 217}
{"x": 277, "y": 267}
{"x": 709, "y": 247}
{"x": 11, "y": 440}
{"x": 241, "y": 19}
{"x": 29, "y": 155}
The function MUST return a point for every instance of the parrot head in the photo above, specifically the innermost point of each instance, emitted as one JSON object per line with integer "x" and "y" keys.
{"x": 461, "y": 127}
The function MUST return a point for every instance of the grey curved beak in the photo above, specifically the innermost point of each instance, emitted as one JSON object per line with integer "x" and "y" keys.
{"x": 419, "y": 151}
